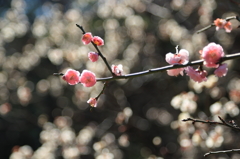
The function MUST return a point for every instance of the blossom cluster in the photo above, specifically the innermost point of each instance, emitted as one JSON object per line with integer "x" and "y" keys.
{"x": 211, "y": 55}
{"x": 223, "y": 24}
{"x": 88, "y": 78}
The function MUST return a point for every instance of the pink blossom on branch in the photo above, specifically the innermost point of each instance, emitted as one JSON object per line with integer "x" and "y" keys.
{"x": 93, "y": 56}
{"x": 98, "y": 41}
{"x": 72, "y": 77}
{"x": 182, "y": 57}
{"x": 92, "y": 102}
{"x": 222, "y": 23}
{"x": 221, "y": 70}
{"x": 88, "y": 78}
{"x": 87, "y": 38}
{"x": 211, "y": 55}
{"x": 117, "y": 70}
{"x": 196, "y": 75}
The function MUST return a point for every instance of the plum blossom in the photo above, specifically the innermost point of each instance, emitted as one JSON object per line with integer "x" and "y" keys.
{"x": 196, "y": 75}
{"x": 211, "y": 55}
{"x": 88, "y": 78}
{"x": 93, "y": 56}
{"x": 87, "y": 38}
{"x": 181, "y": 57}
{"x": 222, "y": 23}
{"x": 221, "y": 70}
{"x": 72, "y": 77}
{"x": 92, "y": 102}
{"x": 117, "y": 70}
{"x": 98, "y": 41}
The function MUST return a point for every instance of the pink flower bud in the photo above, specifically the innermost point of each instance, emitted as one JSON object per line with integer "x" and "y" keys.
{"x": 211, "y": 55}
{"x": 93, "y": 56}
{"x": 87, "y": 38}
{"x": 72, "y": 77}
{"x": 196, "y": 75}
{"x": 117, "y": 70}
{"x": 88, "y": 78}
{"x": 98, "y": 41}
{"x": 92, "y": 102}
{"x": 221, "y": 70}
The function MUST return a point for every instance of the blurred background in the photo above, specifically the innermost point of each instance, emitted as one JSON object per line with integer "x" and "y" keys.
{"x": 41, "y": 116}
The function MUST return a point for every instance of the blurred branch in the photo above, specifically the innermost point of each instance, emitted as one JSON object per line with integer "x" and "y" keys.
{"x": 165, "y": 68}
{"x": 211, "y": 25}
{"x": 223, "y": 122}
{"x": 224, "y": 151}
{"x": 99, "y": 52}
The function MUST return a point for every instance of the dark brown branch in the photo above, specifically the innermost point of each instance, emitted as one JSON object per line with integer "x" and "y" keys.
{"x": 161, "y": 69}
{"x": 99, "y": 52}
{"x": 223, "y": 122}
{"x": 224, "y": 151}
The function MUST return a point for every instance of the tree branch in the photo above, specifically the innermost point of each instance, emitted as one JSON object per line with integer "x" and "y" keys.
{"x": 223, "y": 122}
{"x": 224, "y": 151}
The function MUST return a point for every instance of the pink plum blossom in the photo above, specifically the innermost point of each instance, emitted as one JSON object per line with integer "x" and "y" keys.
{"x": 182, "y": 57}
{"x": 211, "y": 55}
{"x": 87, "y": 38}
{"x": 72, "y": 77}
{"x": 221, "y": 70}
{"x": 196, "y": 75}
{"x": 93, "y": 56}
{"x": 222, "y": 23}
{"x": 92, "y": 102}
{"x": 179, "y": 58}
{"x": 98, "y": 41}
{"x": 117, "y": 70}
{"x": 88, "y": 78}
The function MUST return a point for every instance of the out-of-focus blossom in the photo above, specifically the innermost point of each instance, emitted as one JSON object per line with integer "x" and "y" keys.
{"x": 196, "y": 75}
{"x": 93, "y": 56}
{"x": 92, "y": 102}
{"x": 211, "y": 55}
{"x": 98, "y": 41}
{"x": 87, "y": 38}
{"x": 117, "y": 69}
{"x": 179, "y": 58}
{"x": 88, "y": 78}
{"x": 221, "y": 70}
{"x": 72, "y": 77}
{"x": 223, "y": 24}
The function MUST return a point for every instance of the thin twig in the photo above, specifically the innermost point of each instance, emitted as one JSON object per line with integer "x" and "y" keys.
{"x": 224, "y": 151}
{"x": 223, "y": 122}
{"x": 205, "y": 28}
{"x": 211, "y": 25}
{"x": 99, "y": 52}
{"x": 104, "y": 87}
